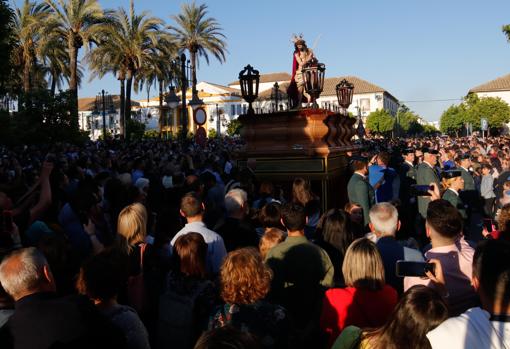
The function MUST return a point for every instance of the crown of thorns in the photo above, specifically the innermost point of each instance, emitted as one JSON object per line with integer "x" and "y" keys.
{"x": 298, "y": 39}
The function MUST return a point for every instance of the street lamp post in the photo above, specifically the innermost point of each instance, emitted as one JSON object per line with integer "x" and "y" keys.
{"x": 172, "y": 101}
{"x": 218, "y": 124}
{"x": 313, "y": 78}
{"x": 249, "y": 79}
{"x": 101, "y": 100}
{"x": 344, "y": 93}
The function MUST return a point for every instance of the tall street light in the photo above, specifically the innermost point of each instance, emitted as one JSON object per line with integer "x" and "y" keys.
{"x": 249, "y": 79}
{"x": 102, "y": 99}
{"x": 344, "y": 93}
{"x": 313, "y": 78}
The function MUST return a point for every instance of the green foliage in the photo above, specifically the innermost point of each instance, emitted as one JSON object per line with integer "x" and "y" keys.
{"x": 452, "y": 119}
{"x": 134, "y": 130}
{"x": 42, "y": 118}
{"x": 506, "y": 31}
{"x": 408, "y": 122}
{"x": 494, "y": 109}
{"x": 380, "y": 122}
{"x": 6, "y": 21}
{"x": 212, "y": 133}
{"x": 234, "y": 127}
{"x": 429, "y": 130}
{"x": 151, "y": 134}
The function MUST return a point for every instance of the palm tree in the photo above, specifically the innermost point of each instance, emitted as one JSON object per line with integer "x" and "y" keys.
{"x": 30, "y": 22}
{"x": 54, "y": 55}
{"x": 506, "y": 31}
{"x": 79, "y": 22}
{"x": 199, "y": 35}
{"x": 157, "y": 71}
{"x": 129, "y": 41}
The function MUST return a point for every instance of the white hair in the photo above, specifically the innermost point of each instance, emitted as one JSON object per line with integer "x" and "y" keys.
{"x": 235, "y": 199}
{"x": 22, "y": 271}
{"x": 384, "y": 218}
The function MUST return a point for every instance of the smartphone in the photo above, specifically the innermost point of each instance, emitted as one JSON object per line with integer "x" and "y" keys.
{"x": 405, "y": 268}
{"x": 7, "y": 221}
{"x": 488, "y": 224}
{"x": 421, "y": 190}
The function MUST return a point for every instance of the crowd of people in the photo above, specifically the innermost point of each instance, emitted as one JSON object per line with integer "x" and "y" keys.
{"x": 161, "y": 244}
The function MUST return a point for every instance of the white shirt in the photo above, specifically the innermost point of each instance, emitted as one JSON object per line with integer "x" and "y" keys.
{"x": 216, "y": 251}
{"x": 471, "y": 330}
{"x": 455, "y": 191}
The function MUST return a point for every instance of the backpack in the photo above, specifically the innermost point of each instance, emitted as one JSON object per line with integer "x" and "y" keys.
{"x": 176, "y": 320}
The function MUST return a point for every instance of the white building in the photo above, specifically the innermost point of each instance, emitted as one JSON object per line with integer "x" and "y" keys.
{"x": 367, "y": 97}
{"x": 94, "y": 123}
{"x": 499, "y": 87}
{"x": 224, "y": 103}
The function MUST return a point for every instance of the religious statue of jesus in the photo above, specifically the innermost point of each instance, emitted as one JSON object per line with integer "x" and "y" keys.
{"x": 302, "y": 56}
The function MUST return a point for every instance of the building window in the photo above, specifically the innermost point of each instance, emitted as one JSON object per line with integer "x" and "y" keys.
{"x": 364, "y": 104}
{"x": 233, "y": 109}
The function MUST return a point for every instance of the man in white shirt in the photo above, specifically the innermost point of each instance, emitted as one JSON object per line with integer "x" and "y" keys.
{"x": 192, "y": 209}
{"x": 488, "y": 326}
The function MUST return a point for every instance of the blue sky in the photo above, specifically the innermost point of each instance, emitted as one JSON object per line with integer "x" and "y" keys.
{"x": 417, "y": 50}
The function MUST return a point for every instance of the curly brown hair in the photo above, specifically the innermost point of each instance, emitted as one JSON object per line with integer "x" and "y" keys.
{"x": 244, "y": 277}
{"x": 504, "y": 219}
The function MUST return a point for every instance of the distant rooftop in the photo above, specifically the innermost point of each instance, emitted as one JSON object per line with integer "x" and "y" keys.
{"x": 271, "y": 77}
{"x": 499, "y": 84}
{"x": 88, "y": 103}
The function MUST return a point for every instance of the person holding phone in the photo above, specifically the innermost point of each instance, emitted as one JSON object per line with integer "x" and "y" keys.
{"x": 426, "y": 175}
{"x": 486, "y": 326}
{"x": 444, "y": 229}
{"x": 453, "y": 184}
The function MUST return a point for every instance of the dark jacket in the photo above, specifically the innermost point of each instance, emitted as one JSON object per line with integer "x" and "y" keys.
{"x": 42, "y": 321}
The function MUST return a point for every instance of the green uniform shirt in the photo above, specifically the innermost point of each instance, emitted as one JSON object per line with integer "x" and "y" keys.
{"x": 361, "y": 193}
{"x": 450, "y": 196}
{"x": 425, "y": 175}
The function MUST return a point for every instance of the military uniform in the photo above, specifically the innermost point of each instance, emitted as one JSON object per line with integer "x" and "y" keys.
{"x": 408, "y": 208}
{"x": 362, "y": 193}
{"x": 407, "y": 179}
{"x": 469, "y": 182}
{"x": 469, "y": 194}
{"x": 425, "y": 175}
{"x": 454, "y": 198}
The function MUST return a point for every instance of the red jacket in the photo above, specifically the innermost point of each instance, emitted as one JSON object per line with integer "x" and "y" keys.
{"x": 343, "y": 307}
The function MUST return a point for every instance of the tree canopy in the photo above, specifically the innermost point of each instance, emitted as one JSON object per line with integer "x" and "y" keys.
{"x": 380, "y": 122}
{"x": 494, "y": 109}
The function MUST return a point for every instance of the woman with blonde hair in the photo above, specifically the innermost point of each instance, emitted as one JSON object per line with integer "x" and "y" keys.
{"x": 131, "y": 227}
{"x": 244, "y": 282}
{"x": 132, "y": 231}
{"x": 366, "y": 301}
{"x": 271, "y": 238}
{"x": 453, "y": 183}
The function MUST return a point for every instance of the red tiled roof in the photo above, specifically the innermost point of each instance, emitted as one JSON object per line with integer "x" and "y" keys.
{"x": 499, "y": 84}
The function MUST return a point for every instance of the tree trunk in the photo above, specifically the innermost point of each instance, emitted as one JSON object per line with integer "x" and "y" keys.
{"x": 122, "y": 116}
{"x": 193, "y": 55}
{"x": 161, "y": 116}
{"x": 73, "y": 62}
{"x": 26, "y": 76}
{"x": 53, "y": 83}
{"x": 127, "y": 110}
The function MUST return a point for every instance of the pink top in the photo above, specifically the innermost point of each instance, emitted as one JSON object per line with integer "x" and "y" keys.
{"x": 456, "y": 262}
